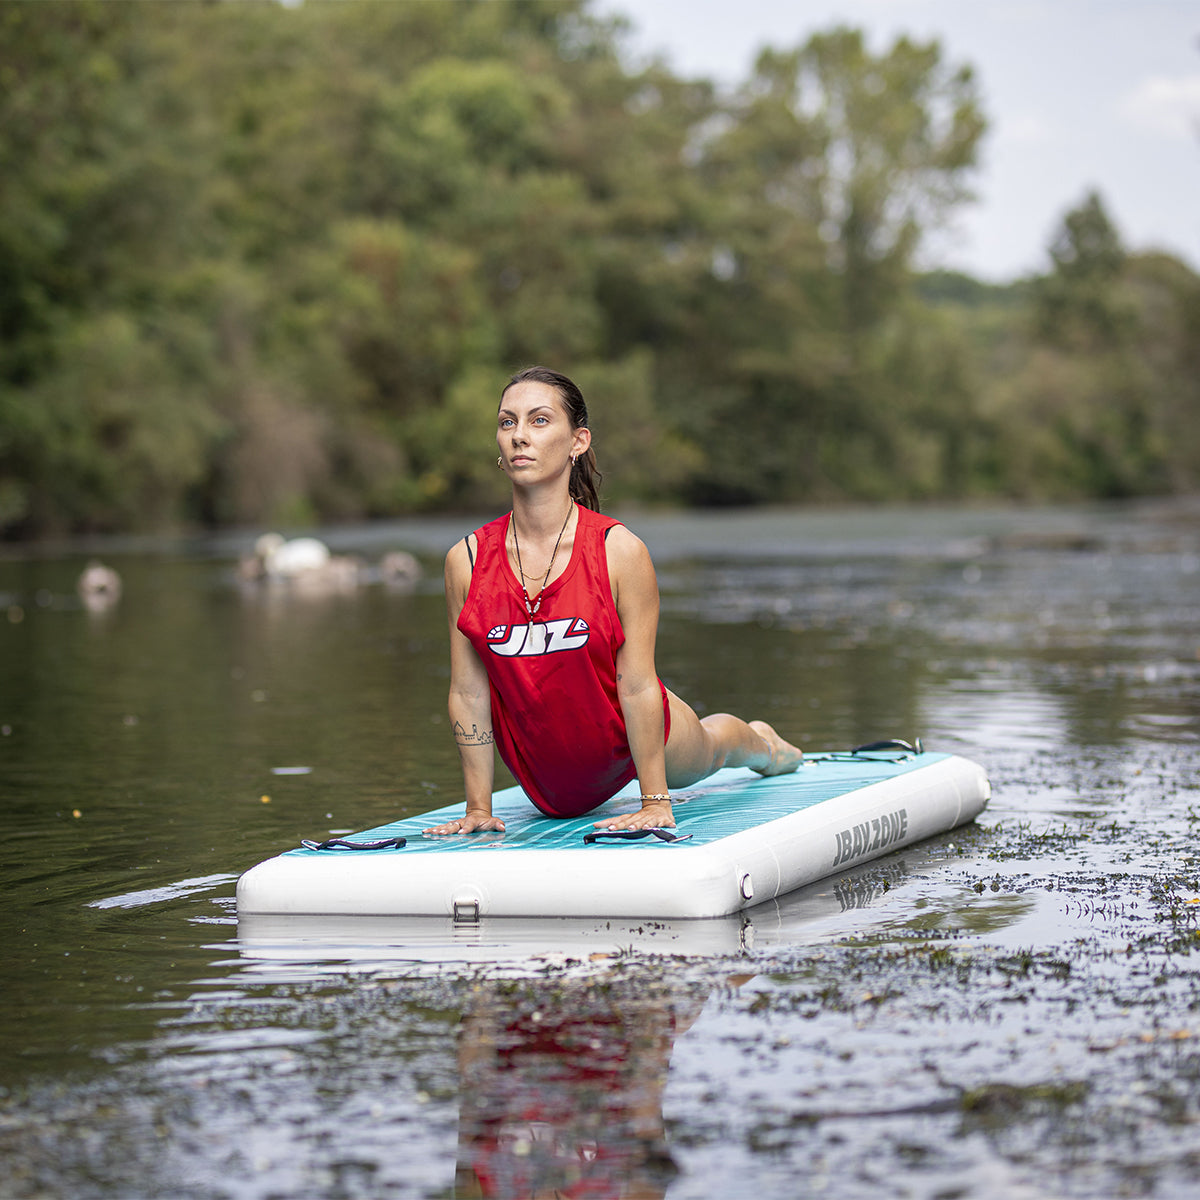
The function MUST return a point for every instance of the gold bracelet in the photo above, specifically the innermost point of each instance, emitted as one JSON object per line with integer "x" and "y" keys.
{"x": 656, "y": 796}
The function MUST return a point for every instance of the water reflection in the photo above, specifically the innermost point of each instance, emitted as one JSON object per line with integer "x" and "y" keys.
{"x": 561, "y": 1091}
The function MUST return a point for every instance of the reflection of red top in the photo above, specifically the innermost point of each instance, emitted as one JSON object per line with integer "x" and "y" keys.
{"x": 555, "y": 710}
{"x": 560, "y": 1113}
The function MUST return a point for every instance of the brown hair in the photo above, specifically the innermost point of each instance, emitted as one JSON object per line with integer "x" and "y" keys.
{"x": 585, "y": 475}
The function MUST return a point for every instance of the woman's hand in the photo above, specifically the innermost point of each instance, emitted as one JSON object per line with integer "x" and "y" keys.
{"x": 656, "y": 814}
{"x": 473, "y": 822}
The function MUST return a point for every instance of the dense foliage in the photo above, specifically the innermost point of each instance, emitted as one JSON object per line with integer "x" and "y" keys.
{"x": 266, "y": 263}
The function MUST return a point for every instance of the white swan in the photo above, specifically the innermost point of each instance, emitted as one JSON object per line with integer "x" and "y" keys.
{"x": 99, "y": 587}
{"x": 303, "y": 565}
{"x": 282, "y": 559}
{"x": 306, "y": 565}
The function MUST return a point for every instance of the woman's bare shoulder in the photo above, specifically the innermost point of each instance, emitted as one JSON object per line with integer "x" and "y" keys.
{"x": 625, "y": 548}
{"x": 459, "y": 567}
{"x": 458, "y": 557}
{"x": 630, "y": 570}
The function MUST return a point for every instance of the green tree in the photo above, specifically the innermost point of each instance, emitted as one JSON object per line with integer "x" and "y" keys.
{"x": 1098, "y": 404}
{"x": 101, "y": 422}
{"x": 830, "y": 164}
{"x": 1079, "y": 304}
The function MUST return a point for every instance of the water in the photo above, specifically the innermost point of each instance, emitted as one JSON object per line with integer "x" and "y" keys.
{"x": 1010, "y": 1010}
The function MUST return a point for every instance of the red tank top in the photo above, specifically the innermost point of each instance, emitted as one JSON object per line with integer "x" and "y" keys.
{"x": 555, "y": 710}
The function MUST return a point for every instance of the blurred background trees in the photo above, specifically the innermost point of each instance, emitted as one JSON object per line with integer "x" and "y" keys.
{"x": 268, "y": 264}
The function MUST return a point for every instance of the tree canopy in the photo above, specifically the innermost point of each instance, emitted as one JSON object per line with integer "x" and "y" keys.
{"x": 272, "y": 264}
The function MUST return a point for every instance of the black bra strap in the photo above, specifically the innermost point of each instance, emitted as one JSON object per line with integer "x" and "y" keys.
{"x": 467, "y": 543}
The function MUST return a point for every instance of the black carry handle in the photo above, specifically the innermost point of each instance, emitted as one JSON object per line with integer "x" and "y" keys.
{"x": 890, "y": 744}
{"x": 338, "y": 843}
{"x": 629, "y": 835}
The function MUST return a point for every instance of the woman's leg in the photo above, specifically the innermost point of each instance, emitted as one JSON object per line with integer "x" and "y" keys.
{"x": 696, "y": 748}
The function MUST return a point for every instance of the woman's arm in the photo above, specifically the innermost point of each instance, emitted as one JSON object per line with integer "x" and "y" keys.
{"x": 470, "y": 707}
{"x": 635, "y": 590}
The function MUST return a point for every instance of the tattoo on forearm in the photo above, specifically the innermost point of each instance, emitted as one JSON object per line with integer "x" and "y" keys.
{"x": 476, "y": 737}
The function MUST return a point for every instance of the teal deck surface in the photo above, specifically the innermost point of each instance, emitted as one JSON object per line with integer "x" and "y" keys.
{"x": 729, "y": 802}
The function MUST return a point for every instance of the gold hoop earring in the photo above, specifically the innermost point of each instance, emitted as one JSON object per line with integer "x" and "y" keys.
{"x": 573, "y": 458}
{"x": 500, "y": 462}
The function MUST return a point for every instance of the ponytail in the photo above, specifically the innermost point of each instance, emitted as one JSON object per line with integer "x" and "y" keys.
{"x": 585, "y": 479}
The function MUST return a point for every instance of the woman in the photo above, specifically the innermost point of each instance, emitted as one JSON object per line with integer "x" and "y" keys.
{"x": 553, "y": 615}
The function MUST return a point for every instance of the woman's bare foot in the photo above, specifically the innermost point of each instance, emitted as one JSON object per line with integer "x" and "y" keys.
{"x": 785, "y": 757}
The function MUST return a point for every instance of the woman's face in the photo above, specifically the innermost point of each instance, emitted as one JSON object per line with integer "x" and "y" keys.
{"x": 534, "y": 433}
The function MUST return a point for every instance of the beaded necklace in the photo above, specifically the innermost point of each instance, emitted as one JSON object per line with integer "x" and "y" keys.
{"x": 532, "y": 607}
